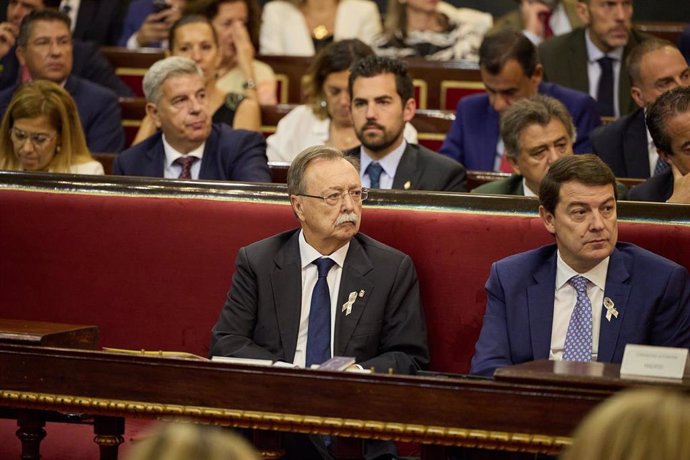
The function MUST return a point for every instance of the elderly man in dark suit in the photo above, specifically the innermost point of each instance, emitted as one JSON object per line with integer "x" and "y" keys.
{"x": 189, "y": 145}
{"x": 655, "y": 66}
{"x": 668, "y": 120}
{"x": 44, "y": 47}
{"x": 382, "y": 102}
{"x": 592, "y": 58}
{"x": 587, "y": 296}
{"x": 325, "y": 290}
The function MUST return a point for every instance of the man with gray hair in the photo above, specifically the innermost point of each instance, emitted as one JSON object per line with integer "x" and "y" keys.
{"x": 536, "y": 132}
{"x": 189, "y": 145}
{"x": 325, "y": 289}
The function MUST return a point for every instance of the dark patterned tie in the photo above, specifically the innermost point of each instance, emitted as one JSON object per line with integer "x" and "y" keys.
{"x": 186, "y": 164}
{"x": 605, "y": 89}
{"x": 319, "y": 329}
{"x": 578, "y": 340}
{"x": 374, "y": 171}
{"x": 661, "y": 166}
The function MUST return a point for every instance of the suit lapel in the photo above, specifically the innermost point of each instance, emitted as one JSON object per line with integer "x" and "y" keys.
{"x": 208, "y": 168}
{"x": 540, "y": 298}
{"x": 353, "y": 279}
{"x": 286, "y": 281}
{"x": 407, "y": 170}
{"x": 635, "y": 143}
{"x": 578, "y": 61}
{"x": 618, "y": 290}
{"x": 155, "y": 166}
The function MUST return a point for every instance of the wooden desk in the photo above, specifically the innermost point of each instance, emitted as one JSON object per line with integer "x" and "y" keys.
{"x": 45, "y": 334}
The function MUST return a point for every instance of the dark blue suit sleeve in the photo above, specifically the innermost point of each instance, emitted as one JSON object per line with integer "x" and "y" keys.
{"x": 104, "y": 132}
{"x": 671, "y": 327}
{"x": 453, "y": 144}
{"x": 250, "y": 163}
{"x": 493, "y": 347}
{"x": 585, "y": 119}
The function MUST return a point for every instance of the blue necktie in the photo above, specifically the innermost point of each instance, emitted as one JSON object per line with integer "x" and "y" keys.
{"x": 661, "y": 167}
{"x": 578, "y": 340}
{"x": 374, "y": 171}
{"x": 605, "y": 89}
{"x": 319, "y": 329}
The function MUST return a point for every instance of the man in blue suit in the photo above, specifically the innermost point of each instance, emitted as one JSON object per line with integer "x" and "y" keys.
{"x": 588, "y": 296}
{"x": 510, "y": 70}
{"x": 44, "y": 48}
{"x": 188, "y": 145}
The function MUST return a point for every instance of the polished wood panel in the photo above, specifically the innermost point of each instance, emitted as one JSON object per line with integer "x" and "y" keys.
{"x": 47, "y": 334}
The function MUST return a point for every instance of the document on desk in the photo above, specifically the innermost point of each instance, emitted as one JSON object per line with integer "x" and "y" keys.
{"x": 252, "y": 361}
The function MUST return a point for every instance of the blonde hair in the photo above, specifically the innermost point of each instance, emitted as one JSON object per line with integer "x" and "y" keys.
{"x": 635, "y": 425}
{"x": 45, "y": 98}
{"x": 185, "y": 441}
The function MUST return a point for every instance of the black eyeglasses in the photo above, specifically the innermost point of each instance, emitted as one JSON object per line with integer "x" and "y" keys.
{"x": 332, "y": 199}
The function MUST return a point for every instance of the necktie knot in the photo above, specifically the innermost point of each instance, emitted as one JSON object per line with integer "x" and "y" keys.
{"x": 185, "y": 163}
{"x": 579, "y": 282}
{"x": 374, "y": 171}
{"x": 323, "y": 265}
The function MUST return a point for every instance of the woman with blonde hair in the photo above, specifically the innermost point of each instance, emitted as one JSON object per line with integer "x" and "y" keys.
{"x": 432, "y": 29}
{"x": 639, "y": 424}
{"x": 41, "y": 131}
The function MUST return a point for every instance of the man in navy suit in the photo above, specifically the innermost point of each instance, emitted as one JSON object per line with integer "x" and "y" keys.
{"x": 188, "y": 145}
{"x": 587, "y": 296}
{"x": 510, "y": 70}
{"x": 668, "y": 120}
{"x": 655, "y": 66}
{"x": 44, "y": 48}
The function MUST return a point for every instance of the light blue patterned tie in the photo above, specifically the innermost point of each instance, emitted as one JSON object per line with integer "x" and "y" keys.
{"x": 374, "y": 171}
{"x": 319, "y": 329}
{"x": 578, "y": 340}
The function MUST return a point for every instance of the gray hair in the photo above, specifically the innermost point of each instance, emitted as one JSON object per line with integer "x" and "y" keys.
{"x": 521, "y": 114}
{"x": 164, "y": 69}
{"x": 295, "y": 175}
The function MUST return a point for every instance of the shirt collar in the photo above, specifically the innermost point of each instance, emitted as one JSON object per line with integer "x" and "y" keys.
{"x": 171, "y": 154}
{"x": 596, "y": 275}
{"x": 308, "y": 254}
{"x": 594, "y": 53}
{"x": 389, "y": 163}
{"x": 526, "y": 190}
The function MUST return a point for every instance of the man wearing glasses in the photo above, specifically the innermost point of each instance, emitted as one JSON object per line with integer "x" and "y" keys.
{"x": 325, "y": 290}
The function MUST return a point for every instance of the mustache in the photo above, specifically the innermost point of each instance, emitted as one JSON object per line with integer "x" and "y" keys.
{"x": 346, "y": 218}
{"x": 371, "y": 124}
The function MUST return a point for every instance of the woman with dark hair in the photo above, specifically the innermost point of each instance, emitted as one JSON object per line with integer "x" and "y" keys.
{"x": 237, "y": 25}
{"x": 194, "y": 37}
{"x": 326, "y": 119}
{"x": 41, "y": 131}
{"x": 433, "y": 30}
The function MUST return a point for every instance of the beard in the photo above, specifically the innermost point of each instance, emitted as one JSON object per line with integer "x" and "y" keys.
{"x": 379, "y": 141}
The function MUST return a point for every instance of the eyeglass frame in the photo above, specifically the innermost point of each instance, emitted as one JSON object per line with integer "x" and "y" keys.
{"x": 364, "y": 194}
{"x": 31, "y": 137}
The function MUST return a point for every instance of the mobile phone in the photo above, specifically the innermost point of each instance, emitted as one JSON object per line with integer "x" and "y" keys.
{"x": 160, "y": 5}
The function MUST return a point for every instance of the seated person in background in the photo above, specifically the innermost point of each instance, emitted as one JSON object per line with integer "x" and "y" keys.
{"x": 303, "y": 27}
{"x": 96, "y": 21}
{"x": 642, "y": 423}
{"x": 326, "y": 120}
{"x": 540, "y": 19}
{"x": 587, "y": 296}
{"x": 44, "y": 46}
{"x": 382, "y": 103}
{"x": 189, "y": 145}
{"x": 148, "y": 22}
{"x": 237, "y": 25}
{"x": 536, "y": 132}
{"x": 668, "y": 120}
{"x": 287, "y": 291}
{"x": 655, "y": 66}
{"x": 592, "y": 58}
{"x": 40, "y": 131}
{"x": 189, "y": 441}
{"x": 510, "y": 71}
{"x": 194, "y": 37}
{"x": 433, "y": 30}
{"x": 89, "y": 63}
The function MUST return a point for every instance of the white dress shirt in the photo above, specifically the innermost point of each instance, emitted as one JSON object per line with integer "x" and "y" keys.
{"x": 565, "y": 299}
{"x": 73, "y": 10}
{"x": 594, "y": 70}
{"x": 172, "y": 170}
{"x": 389, "y": 163}
{"x": 310, "y": 274}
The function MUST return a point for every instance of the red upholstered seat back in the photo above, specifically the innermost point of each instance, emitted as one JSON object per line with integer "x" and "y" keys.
{"x": 153, "y": 272}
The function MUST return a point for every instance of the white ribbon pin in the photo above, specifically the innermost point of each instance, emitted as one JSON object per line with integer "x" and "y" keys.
{"x": 347, "y": 306}
{"x": 610, "y": 309}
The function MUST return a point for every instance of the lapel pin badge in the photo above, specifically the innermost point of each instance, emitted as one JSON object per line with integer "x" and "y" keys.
{"x": 347, "y": 306}
{"x": 361, "y": 293}
{"x": 407, "y": 185}
{"x": 610, "y": 309}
